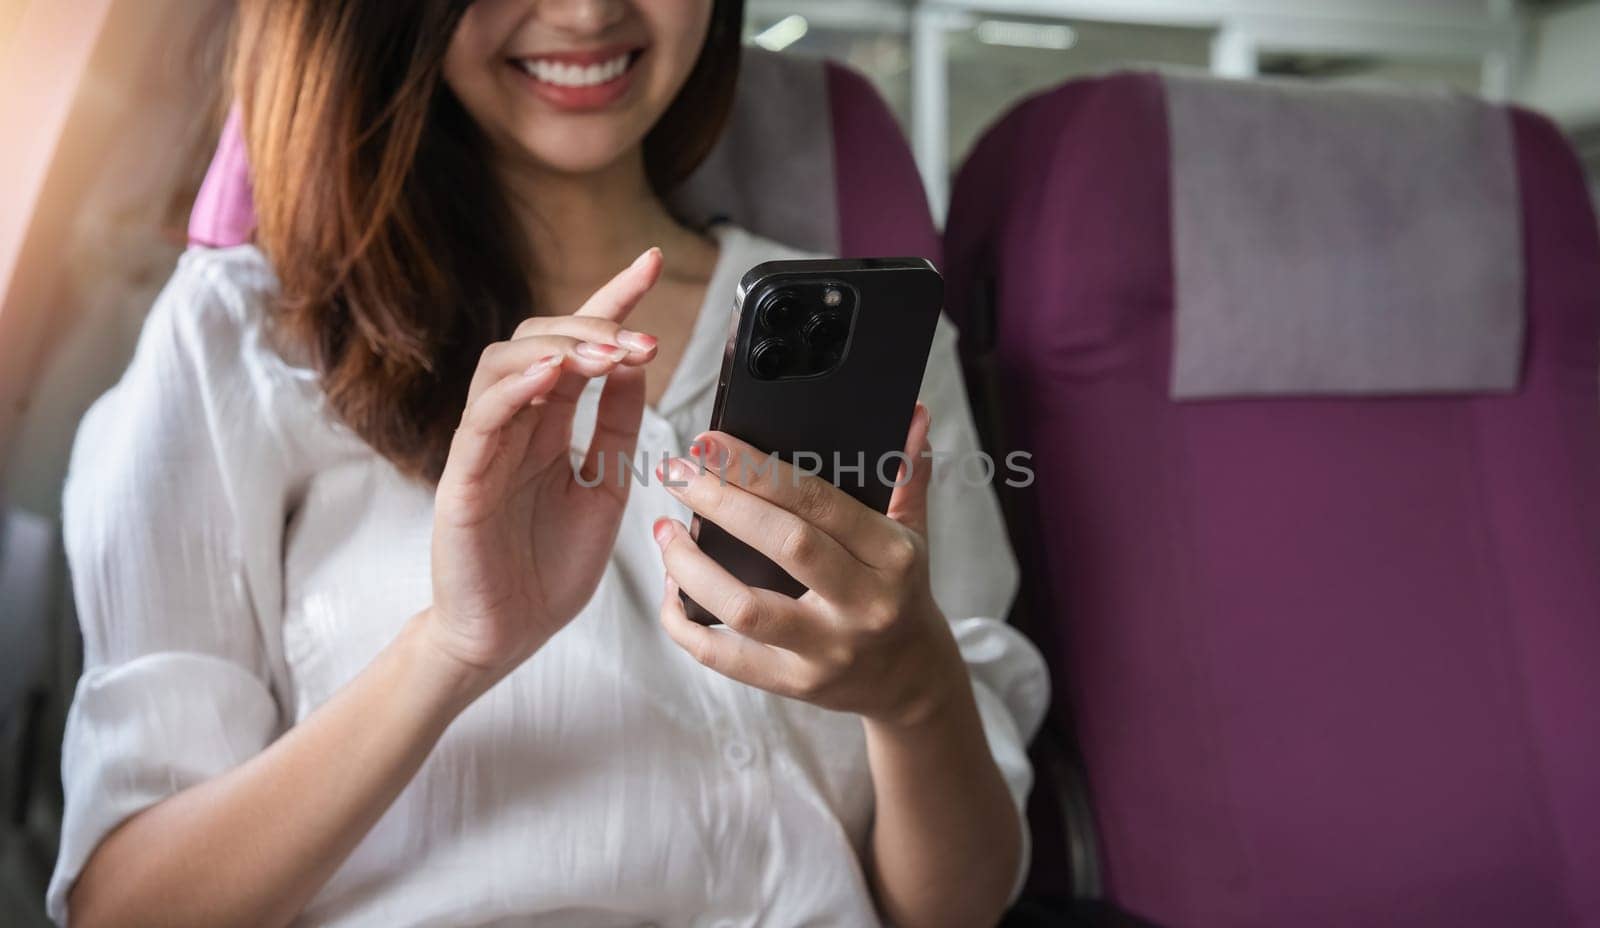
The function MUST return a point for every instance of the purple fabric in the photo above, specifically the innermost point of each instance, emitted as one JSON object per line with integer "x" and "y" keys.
{"x": 883, "y": 209}
{"x": 1329, "y": 661}
{"x": 224, "y": 214}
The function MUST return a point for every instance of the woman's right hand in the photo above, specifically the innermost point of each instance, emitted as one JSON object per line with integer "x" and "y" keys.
{"x": 519, "y": 542}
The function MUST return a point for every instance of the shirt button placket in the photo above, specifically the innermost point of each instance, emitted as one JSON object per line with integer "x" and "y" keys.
{"x": 743, "y": 751}
{"x": 738, "y": 754}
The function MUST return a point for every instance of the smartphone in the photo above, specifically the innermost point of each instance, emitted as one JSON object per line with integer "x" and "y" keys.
{"x": 822, "y": 369}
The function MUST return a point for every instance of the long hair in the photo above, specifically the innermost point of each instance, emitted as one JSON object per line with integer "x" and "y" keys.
{"x": 398, "y": 256}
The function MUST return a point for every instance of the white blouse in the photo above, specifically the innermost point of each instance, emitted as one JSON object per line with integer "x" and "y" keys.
{"x": 238, "y": 555}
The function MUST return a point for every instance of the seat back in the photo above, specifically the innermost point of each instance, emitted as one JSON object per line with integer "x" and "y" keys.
{"x": 811, "y": 157}
{"x": 1330, "y": 660}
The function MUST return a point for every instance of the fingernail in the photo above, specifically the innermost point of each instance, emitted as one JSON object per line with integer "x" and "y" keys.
{"x": 655, "y": 249}
{"x": 637, "y": 341}
{"x": 710, "y": 453}
{"x": 679, "y": 472}
{"x": 662, "y": 529}
{"x": 542, "y": 365}
{"x": 598, "y": 352}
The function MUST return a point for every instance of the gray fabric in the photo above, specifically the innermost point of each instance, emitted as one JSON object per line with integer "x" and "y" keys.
{"x": 772, "y": 171}
{"x": 1342, "y": 241}
{"x": 27, "y": 596}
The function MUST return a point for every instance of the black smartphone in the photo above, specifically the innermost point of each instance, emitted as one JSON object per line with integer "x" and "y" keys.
{"x": 822, "y": 369}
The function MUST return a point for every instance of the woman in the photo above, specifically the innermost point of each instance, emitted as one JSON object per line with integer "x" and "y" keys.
{"x": 363, "y": 648}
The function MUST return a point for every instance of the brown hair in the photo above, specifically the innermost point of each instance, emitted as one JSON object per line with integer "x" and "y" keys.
{"x": 398, "y": 257}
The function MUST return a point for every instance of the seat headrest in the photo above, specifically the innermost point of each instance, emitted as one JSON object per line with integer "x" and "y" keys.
{"x": 1300, "y": 239}
{"x": 811, "y": 157}
{"x": 1341, "y": 240}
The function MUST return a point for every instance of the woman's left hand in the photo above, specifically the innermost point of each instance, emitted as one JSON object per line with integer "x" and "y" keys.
{"x": 866, "y": 637}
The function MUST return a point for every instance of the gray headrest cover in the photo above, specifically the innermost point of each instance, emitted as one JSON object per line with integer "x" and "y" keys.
{"x": 772, "y": 170}
{"x": 1342, "y": 241}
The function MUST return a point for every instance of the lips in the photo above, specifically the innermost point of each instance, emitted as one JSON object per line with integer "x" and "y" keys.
{"x": 580, "y": 80}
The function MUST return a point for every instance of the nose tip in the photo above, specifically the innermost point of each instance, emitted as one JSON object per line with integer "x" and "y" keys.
{"x": 582, "y": 16}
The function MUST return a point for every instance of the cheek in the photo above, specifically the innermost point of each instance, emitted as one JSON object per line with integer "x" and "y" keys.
{"x": 473, "y": 62}
{"x": 466, "y": 68}
{"x": 678, "y": 29}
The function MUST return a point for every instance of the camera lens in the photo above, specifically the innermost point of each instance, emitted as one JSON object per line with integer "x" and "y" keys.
{"x": 769, "y": 357}
{"x": 780, "y": 312}
{"x": 826, "y": 331}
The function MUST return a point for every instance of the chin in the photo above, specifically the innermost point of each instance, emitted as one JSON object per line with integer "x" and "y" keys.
{"x": 576, "y": 150}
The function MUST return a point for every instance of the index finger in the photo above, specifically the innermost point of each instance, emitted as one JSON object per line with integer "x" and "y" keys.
{"x": 621, "y": 293}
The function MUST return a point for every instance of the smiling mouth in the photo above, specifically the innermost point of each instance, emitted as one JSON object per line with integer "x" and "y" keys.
{"x": 564, "y": 71}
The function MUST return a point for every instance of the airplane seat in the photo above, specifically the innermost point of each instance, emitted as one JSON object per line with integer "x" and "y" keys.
{"x": 1309, "y": 377}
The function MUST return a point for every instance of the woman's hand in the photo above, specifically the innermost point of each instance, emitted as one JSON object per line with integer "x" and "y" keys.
{"x": 519, "y": 541}
{"x": 867, "y": 637}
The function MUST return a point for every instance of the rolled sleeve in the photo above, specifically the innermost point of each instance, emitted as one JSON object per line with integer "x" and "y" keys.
{"x": 144, "y": 730}
{"x": 172, "y": 516}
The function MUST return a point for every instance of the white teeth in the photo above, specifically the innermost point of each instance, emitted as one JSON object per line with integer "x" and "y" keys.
{"x": 572, "y": 75}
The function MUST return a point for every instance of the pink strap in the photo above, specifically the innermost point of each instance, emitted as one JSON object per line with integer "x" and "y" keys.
{"x": 224, "y": 214}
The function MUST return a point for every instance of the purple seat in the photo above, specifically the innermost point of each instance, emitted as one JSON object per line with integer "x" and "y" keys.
{"x": 1328, "y": 661}
{"x": 803, "y": 132}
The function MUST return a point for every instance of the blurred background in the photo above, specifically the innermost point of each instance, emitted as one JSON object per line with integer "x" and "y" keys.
{"x": 111, "y": 109}
{"x": 950, "y": 68}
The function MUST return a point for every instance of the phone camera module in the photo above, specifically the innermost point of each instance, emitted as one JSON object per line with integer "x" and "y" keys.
{"x": 801, "y": 330}
{"x": 769, "y": 358}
